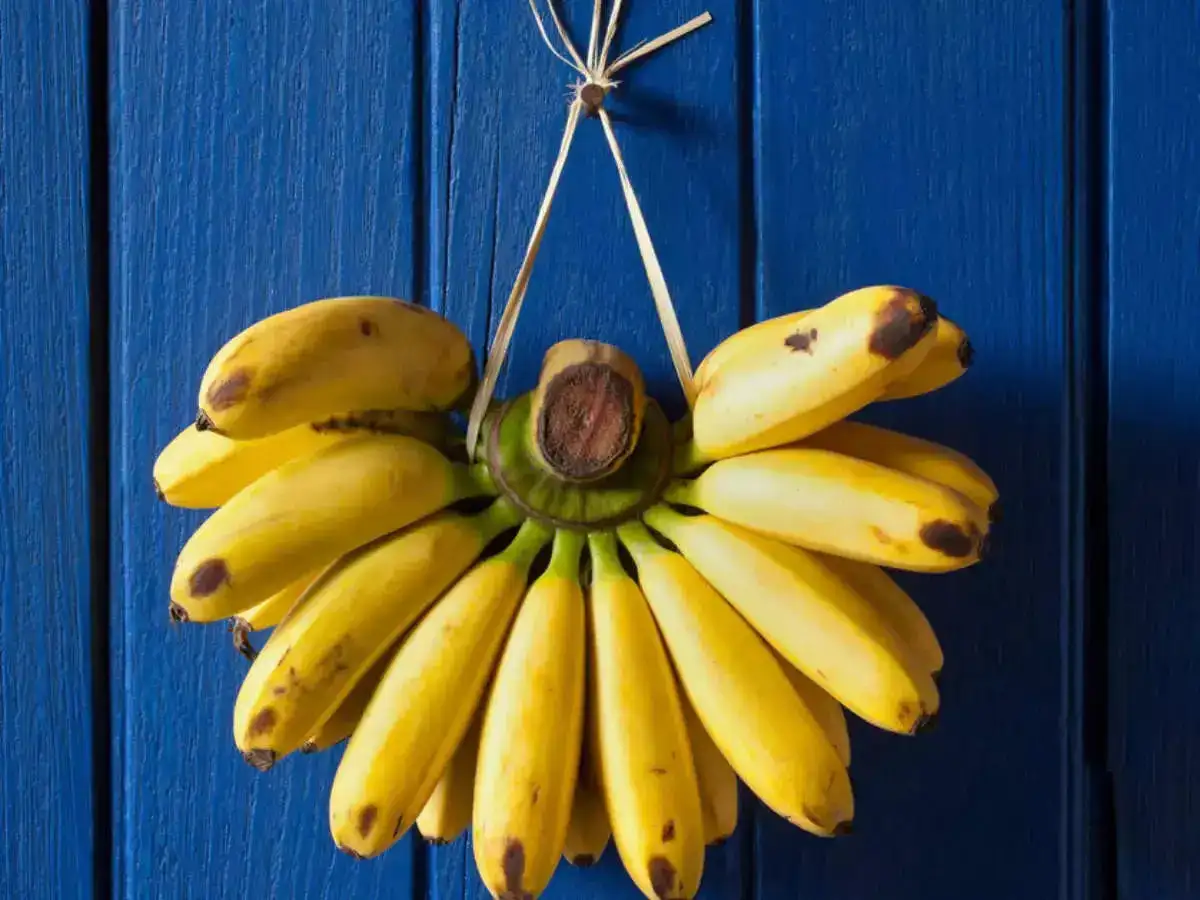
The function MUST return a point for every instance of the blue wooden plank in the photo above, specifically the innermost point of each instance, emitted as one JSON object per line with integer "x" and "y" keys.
{"x": 264, "y": 155}
{"x": 499, "y": 103}
{"x": 1154, "y": 449}
{"x": 922, "y": 144}
{"x": 46, "y": 772}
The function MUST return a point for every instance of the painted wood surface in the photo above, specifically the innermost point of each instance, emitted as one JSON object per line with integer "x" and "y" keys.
{"x": 1154, "y": 449}
{"x": 264, "y": 154}
{"x": 922, "y": 144}
{"x": 499, "y": 105}
{"x": 46, "y": 772}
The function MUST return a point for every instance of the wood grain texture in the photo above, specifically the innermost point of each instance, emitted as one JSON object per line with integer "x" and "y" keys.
{"x": 46, "y": 772}
{"x": 922, "y": 144}
{"x": 498, "y": 106}
{"x": 264, "y": 155}
{"x": 1154, "y": 449}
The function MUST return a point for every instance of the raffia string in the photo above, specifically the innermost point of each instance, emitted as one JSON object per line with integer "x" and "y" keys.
{"x": 597, "y": 74}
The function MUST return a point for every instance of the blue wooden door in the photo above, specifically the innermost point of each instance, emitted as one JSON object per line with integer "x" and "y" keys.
{"x": 172, "y": 170}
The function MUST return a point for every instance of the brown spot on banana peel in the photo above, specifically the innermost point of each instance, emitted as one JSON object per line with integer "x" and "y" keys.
{"x": 662, "y": 877}
{"x": 513, "y": 864}
{"x": 951, "y": 538}
{"x": 801, "y": 341}
{"x": 263, "y": 722}
{"x": 260, "y": 759}
{"x": 583, "y": 860}
{"x": 898, "y": 327}
{"x": 366, "y": 819}
{"x": 208, "y": 578}
{"x": 230, "y": 391}
{"x": 367, "y": 328}
{"x": 668, "y": 831}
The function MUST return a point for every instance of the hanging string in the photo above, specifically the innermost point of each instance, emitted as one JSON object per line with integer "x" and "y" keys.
{"x": 589, "y": 96}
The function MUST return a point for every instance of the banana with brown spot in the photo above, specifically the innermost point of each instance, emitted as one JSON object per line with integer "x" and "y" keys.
{"x": 323, "y": 358}
{"x": 646, "y": 764}
{"x": 844, "y": 506}
{"x": 741, "y": 694}
{"x": 947, "y": 361}
{"x": 715, "y": 779}
{"x": 425, "y": 702}
{"x": 309, "y": 512}
{"x": 447, "y": 812}
{"x": 266, "y": 615}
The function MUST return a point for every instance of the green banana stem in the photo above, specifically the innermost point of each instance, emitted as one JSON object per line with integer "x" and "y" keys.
{"x": 498, "y": 517}
{"x": 689, "y": 459}
{"x": 529, "y": 541}
{"x": 568, "y": 548}
{"x": 603, "y": 548}
{"x": 476, "y": 481}
{"x": 638, "y": 540}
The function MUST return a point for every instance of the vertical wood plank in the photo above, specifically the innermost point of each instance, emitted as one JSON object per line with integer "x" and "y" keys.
{"x": 499, "y": 105}
{"x": 1154, "y": 448}
{"x": 264, "y": 156}
{"x": 46, "y": 773}
{"x": 922, "y": 144}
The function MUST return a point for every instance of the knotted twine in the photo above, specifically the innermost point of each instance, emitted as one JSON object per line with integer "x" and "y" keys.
{"x": 597, "y": 73}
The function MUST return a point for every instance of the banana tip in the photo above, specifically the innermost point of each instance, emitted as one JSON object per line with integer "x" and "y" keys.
{"x": 841, "y": 829}
{"x": 177, "y": 613}
{"x": 260, "y": 759}
{"x": 966, "y": 353}
{"x": 583, "y": 860}
{"x": 241, "y": 639}
{"x": 309, "y": 747}
{"x": 995, "y": 513}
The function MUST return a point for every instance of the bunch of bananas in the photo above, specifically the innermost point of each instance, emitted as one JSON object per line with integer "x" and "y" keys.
{"x": 596, "y": 631}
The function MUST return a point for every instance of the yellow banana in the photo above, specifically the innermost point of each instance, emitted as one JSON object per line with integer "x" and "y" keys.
{"x": 715, "y": 778}
{"x": 347, "y": 620}
{"x": 203, "y": 469}
{"x": 841, "y": 505}
{"x": 447, "y": 812}
{"x": 741, "y": 694}
{"x": 816, "y": 621}
{"x": 912, "y": 456}
{"x": 340, "y": 724}
{"x": 267, "y": 614}
{"x": 645, "y": 760}
{"x": 322, "y": 358}
{"x": 906, "y": 619}
{"x": 425, "y": 702}
{"x": 589, "y": 829}
{"x": 800, "y": 373}
{"x": 827, "y": 710}
{"x": 949, "y": 357}
{"x": 307, "y": 513}
{"x": 532, "y": 731}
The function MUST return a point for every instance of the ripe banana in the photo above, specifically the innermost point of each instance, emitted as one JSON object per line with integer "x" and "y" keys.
{"x": 267, "y": 614}
{"x": 949, "y": 357}
{"x": 741, "y": 694}
{"x": 447, "y": 812}
{"x": 358, "y": 608}
{"x": 816, "y": 621}
{"x": 203, "y": 470}
{"x": 342, "y": 722}
{"x": 715, "y": 778}
{"x": 532, "y": 731}
{"x": 827, "y": 710}
{"x": 901, "y": 613}
{"x": 645, "y": 760}
{"x": 323, "y": 358}
{"x": 589, "y": 829}
{"x": 802, "y": 372}
{"x": 841, "y": 505}
{"x": 425, "y": 702}
{"x": 912, "y": 456}
{"x": 307, "y": 513}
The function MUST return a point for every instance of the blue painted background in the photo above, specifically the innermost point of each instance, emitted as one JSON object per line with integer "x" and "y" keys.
{"x": 172, "y": 170}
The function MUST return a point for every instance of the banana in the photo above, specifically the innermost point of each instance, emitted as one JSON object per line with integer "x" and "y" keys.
{"x": 799, "y": 373}
{"x": 948, "y": 359}
{"x": 912, "y": 456}
{"x": 267, "y": 614}
{"x": 447, "y": 812}
{"x": 827, "y": 710}
{"x": 203, "y": 469}
{"x": 358, "y": 608}
{"x": 532, "y": 731}
{"x": 646, "y": 763}
{"x": 841, "y": 505}
{"x": 322, "y": 358}
{"x": 816, "y": 621}
{"x": 340, "y": 724}
{"x": 902, "y": 614}
{"x": 589, "y": 830}
{"x": 307, "y": 513}
{"x": 715, "y": 778}
{"x": 741, "y": 694}
{"x": 425, "y": 702}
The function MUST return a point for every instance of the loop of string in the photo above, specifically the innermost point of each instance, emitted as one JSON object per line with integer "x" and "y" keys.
{"x": 597, "y": 73}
